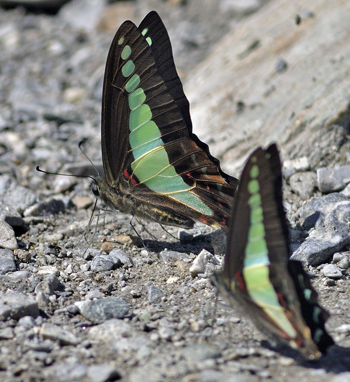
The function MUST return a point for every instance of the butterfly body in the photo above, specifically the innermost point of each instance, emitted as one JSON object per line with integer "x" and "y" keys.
{"x": 128, "y": 204}
{"x": 258, "y": 275}
{"x": 155, "y": 167}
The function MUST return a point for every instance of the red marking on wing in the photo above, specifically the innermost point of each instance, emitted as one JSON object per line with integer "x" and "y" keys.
{"x": 285, "y": 335}
{"x": 241, "y": 281}
{"x": 281, "y": 299}
{"x": 128, "y": 176}
{"x": 203, "y": 219}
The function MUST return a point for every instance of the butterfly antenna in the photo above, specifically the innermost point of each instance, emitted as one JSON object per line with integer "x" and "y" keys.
{"x": 80, "y": 144}
{"x": 60, "y": 173}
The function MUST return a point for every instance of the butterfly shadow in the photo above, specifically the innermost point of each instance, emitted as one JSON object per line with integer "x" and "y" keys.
{"x": 337, "y": 360}
{"x": 195, "y": 245}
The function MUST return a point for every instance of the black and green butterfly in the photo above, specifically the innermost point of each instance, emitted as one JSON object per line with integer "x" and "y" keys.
{"x": 155, "y": 167}
{"x": 276, "y": 292}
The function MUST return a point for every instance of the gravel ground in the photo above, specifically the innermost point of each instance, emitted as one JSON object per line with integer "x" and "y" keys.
{"x": 88, "y": 302}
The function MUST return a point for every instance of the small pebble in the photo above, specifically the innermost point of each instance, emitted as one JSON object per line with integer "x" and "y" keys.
{"x": 201, "y": 261}
{"x": 154, "y": 294}
{"x": 332, "y": 271}
{"x": 7, "y": 261}
{"x": 56, "y": 333}
{"x": 103, "y": 309}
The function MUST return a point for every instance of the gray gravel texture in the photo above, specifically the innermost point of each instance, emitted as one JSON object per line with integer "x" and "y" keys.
{"x": 82, "y": 302}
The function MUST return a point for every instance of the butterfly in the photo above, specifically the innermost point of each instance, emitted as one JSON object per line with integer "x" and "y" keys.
{"x": 154, "y": 166}
{"x": 274, "y": 291}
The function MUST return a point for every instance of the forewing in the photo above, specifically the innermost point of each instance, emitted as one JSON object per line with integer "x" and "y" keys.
{"x": 147, "y": 141}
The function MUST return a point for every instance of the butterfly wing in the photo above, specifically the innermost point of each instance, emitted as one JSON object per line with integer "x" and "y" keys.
{"x": 150, "y": 154}
{"x": 256, "y": 263}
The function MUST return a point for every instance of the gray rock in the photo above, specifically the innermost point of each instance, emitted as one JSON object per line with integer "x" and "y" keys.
{"x": 166, "y": 329}
{"x": 7, "y": 261}
{"x": 172, "y": 256}
{"x": 303, "y": 184}
{"x": 103, "y": 373}
{"x": 154, "y": 294}
{"x": 38, "y": 345}
{"x": 63, "y": 183}
{"x": 103, "y": 309}
{"x": 292, "y": 166}
{"x": 330, "y": 213}
{"x": 333, "y": 179}
{"x": 19, "y": 198}
{"x": 47, "y": 208}
{"x": 48, "y": 270}
{"x": 199, "y": 353}
{"x": 346, "y": 191}
{"x": 27, "y": 322}
{"x": 201, "y": 262}
{"x": 90, "y": 253}
{"x": 49, "y": 285}
{"x": 341, "y": 259}
{"x": 16, "y": 305}
{"x": 11, "y": 215}
{"x": 7, "y": 236}
{"x": 103, "y": 263}
{"x": 56, "y": 333}
{"x": 319, "y": 247}
{"x": 70, "y": 372}
{"x": 332, "y": 271}
{"x": 344, "y": 263}
{"x": 122, "y": 256}
{"x": 343, "y": 377}
{"x": 6, "y": 333}
{"x": 42, "y": 300}
{"x": 119, "y": 335}
{"x": 218, "y": 241}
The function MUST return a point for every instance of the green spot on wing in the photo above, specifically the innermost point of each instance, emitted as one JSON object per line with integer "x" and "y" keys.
{"x": 133, "y": 83}
{"x": 126, "y": 52}
{"x": 145, "y": 138}
{"x": 254, "y": 201}
{"x": 149, "y": 41}
{"x": 256, "y": 231}
{"x": 128, "y": 68}
{"x": 256, "y": 215}
{"x": 253, "y": 186}
{"x": 254, "y": 171}
{"x": 318, "y": 335}
{"x": 137, "y": 98}
{"x": 121, "y": 40}
{"x": 307, "y": 294}
{"x": 144, "y": 31}
{"x": 139, "y": 116}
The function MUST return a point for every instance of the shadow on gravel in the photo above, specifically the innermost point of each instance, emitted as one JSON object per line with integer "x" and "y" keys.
{"x": 337, "y": 360}
{"x": 196, "y": 245}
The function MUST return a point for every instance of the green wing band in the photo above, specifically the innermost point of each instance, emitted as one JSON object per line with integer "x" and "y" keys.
{"x": 151, "y": 165}
{"x": 256, "y": 261}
